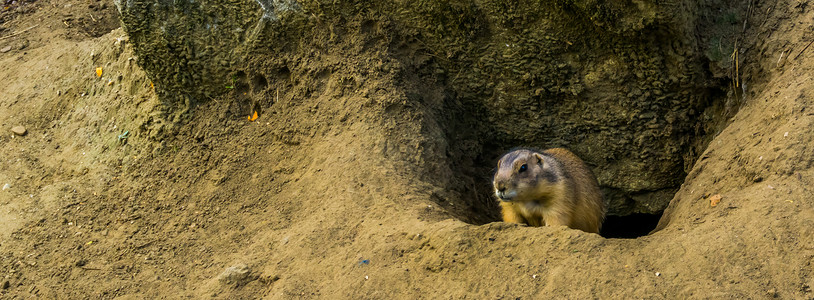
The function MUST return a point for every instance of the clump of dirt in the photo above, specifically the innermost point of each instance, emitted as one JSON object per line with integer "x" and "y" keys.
{"x": 362, "y": 176}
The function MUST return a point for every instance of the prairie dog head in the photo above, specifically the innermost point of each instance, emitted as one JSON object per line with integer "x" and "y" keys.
{"x": 523, "y": 175}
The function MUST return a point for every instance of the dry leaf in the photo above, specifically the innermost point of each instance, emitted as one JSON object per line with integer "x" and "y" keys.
{"x": 98, "y": 72}
{"x": 253, "y": 117}
{"x": 714, "y": 200}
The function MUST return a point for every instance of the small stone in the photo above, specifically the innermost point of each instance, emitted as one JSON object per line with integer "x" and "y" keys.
{"x": 18, "y": 130}
{"x": 81, "y": 263}
{"x": 238, "y": 274}
{"x": 6, "y": 49}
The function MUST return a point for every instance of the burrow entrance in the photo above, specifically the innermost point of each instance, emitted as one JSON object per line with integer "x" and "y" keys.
{"x": 473, "y": 153}
{"x": 630, "y": 226}
{"x": 481, "y": 207}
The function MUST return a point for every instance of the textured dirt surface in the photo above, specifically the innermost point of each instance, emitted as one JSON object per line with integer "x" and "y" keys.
{"x": 341, "y": 187}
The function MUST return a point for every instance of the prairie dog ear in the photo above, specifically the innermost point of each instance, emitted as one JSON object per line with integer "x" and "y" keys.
{"x": 539, "y": 158}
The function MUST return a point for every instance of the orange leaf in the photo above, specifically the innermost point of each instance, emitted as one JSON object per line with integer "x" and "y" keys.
{"x": 253, "y": 117}
{"x": 99, "y": 72}
{"x": 714, "y": 200}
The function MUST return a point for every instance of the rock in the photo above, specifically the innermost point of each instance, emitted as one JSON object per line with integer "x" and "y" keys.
{"x": 614, "y": 106}
{"x": 18, "y": 130}
{"x": 238, "y": 274}
{"x": 6, "y": 49}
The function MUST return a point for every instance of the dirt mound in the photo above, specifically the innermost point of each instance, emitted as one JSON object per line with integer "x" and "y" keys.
{"x": 342, "y": 186}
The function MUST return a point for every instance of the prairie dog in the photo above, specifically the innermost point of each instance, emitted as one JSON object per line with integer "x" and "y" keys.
{"x": 548, "y": 188}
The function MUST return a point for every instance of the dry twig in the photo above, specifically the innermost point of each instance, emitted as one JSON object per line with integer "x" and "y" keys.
{"x": 804, "y": 49}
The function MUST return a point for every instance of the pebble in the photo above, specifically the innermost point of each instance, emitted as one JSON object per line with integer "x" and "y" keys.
{"x": 238, "y": 274}
{"x": 18, "y": 130}
{"x": 6, "y": 49}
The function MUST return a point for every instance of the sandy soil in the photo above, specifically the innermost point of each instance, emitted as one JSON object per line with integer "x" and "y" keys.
{"x": 342, "y": 194}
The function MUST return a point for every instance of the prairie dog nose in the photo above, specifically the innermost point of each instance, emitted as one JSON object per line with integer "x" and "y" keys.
{"x": 500, "y": 186}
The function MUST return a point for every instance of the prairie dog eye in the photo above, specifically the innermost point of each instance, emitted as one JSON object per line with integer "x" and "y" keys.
{"x": 523, "y": 168}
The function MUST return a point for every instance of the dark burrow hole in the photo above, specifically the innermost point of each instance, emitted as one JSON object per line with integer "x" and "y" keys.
{"x": 471, "y": 198}
{"x": 485, "y": 209}
{"x": 630, "y": 226}
{"x": 475, "y": 149}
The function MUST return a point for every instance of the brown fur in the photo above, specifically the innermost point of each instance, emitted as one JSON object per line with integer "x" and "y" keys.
{"x": 556, "y": 188}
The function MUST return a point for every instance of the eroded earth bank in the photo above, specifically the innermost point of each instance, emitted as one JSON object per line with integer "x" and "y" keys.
{"x": 367, "y": 171}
